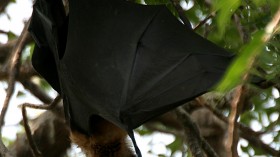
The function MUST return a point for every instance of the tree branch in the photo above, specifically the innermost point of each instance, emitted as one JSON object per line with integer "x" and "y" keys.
{"x": 233, "y": 136}
{"x": 247, "y": 133}
{"x": 32, "y": 144}
{"x": 193, "y": 139}
{"x": 201, "y": 23}
{"x": 15, "y": 64}
{"x": 36, "y": 91}
{"x": 34, "y": 149}
{"x": 154, "y": 128}
{"x": 6, "y": 48}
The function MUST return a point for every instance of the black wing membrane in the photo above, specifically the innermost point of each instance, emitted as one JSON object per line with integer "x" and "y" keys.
{"x": 133, "y": 62}
{"x": 122, "y": 61}
{"x": 48, "y": 28}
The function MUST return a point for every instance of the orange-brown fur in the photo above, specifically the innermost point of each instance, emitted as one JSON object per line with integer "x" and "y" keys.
{"x": 107, "y": 140}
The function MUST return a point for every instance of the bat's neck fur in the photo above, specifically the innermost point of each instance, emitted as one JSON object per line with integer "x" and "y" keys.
{"x": 107, "y": 140}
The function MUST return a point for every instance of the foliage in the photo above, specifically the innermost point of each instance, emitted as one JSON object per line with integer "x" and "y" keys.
{"x": 239, "y": 27}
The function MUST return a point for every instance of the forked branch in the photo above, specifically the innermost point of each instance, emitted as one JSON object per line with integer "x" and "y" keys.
{"x": 32, "y": 144}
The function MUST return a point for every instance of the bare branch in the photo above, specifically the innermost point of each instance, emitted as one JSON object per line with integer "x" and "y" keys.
{"x": 233, "y": 136}
{"x": 34, "y": 149}
{"x": 242, "y": 33}
{"x": 15, "y": 64}
{"x": 6, "y": 48}
{"x": 193, "y": 138}
{"x": 26, "y": 71}
{"x": 36, "y": 91}
{"x": 201, "y": 23}
{"x": 3, "y": 32}
{"x": 195, "y": 142}
{"x": 32, "y": 144}
{"x": 256, "y": 142}
{"x": 247, "y": 133}
{"x": 45, "y": 106}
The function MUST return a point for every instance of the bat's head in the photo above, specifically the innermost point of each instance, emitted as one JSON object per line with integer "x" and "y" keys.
{"x": 106, "y": 140}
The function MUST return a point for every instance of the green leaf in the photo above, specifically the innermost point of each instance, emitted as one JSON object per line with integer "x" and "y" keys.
{"x": 137, "y": 1}
{"x": 143, "y": 131}
{"x": 175, "y": 145}
{"x": 20, "y": 94}
{"x": 242, "y": 63}
{"x": 225, "y": 9}
{"x": 259, "y": 2}
{"x": 11, "y": 35}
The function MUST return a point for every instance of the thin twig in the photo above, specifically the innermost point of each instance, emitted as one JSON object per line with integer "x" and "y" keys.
{"x": 201, "y": 23}
{"x": 233, "y": 136}
{"x": 15, "y": 66}
{"x": 33, "y": 146}
{"x": 25, "y": 72}
{"x": 272, "y": 126}
{"x": 30, "y": 139}
{"x": 7, "y": 48}
{"x": 45, "y": 106}
{"x": 3, "y": 32}
{"x": 244, "y": 38}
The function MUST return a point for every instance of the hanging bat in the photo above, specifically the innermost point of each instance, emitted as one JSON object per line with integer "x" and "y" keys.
{"x": 121, "y": 62}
